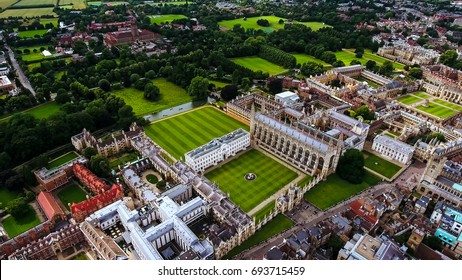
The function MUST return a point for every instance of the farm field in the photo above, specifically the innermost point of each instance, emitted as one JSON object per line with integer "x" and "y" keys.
{"x": 182, "y": 133}
{"x": 76, "y": 4}
{"x": 380, "y": 165}
{"x": 334, "y": 190}
{"x": 35, "y": 3}
{"x": 304, "y": 58}
{"x": 62, "y": 159}
{"x": 437, "y": 110}
{"x": 448, "y": 104}
{"x": 71, "y": 193}
{"x": 6, "y": 3}
{"x": 251, "y": 22}
{"x": 165, "y": 18}
{"x": 279, "y": 224}
{"x": 171, "y": 95}
{"x": 15, "y": 227}
{"x": 256, "y": 63}
{"x": 35, "y": 12}
{"x": 271, "y": 177}
{"x": 409, "y": 99}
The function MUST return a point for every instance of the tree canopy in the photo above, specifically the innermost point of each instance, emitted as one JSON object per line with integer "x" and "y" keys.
{"x": 351, "y": 166}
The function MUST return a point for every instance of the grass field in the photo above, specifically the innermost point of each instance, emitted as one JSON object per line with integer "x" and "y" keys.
{"x": 256, "y": 63}
{"x": 76, "y": 4}
{"x": 304, "y": 181}
{"x": 177, "y": 3}
{"x": 15, "y": 227}
{"x": 218, "y": 84}
{"x": 409, "y": 99}
{"x": 6, "y": 196}
{"x": 421, "y": 95}
{"x": 151, "y": 178}
{"x": 62, "y": 159}
{"x": 251, "y": 22}
{"x": 32, "y": 33}
{"x": 437, "y": 110}
{"x": 182, "y": 133}
{"x": 42, "y": 111}
{"x": 271, "y": 177}
{"x": 71, "y": 193}
{"x": 36, "y": 12}
{"x": 6, "y": 3}
{"x": 380, "y": 60}
{"x": 371, "y": 83}
{"x": 334, "y": 189}
{"x": 171, "y": 95}
{"x": 347, "y": 55}
{"x": 304, "y": 58}
{"x": 448, "y": 104}
{"x": 264, "y": 211}
{"x": 275, "y": 226}
{"x": 121, "y": 160}
{"x": 380, "y": 165}
{"x": 24, "y": 3}
{"x": 165, "y": 18}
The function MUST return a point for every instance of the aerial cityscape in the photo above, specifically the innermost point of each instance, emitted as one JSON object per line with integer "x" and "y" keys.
{"x": 231, "y": 130}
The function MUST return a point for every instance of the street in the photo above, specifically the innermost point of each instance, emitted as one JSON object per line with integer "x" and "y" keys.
{"x": 20, "y": 74}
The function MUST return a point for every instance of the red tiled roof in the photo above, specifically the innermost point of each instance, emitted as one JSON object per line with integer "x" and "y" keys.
{"x": 49, "y": 205}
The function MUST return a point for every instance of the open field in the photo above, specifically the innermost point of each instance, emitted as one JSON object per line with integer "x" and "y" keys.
{"x": 421, "y": 95}
{"x": 15, "y": 227}
{"x": 36, "y": 12}
{"x": 380, "y": 165}
{"x": 32, "y": 33}
{"x": 6, "y": 3}
{"x": 177, "y": 3}
{"x": 42, "y": 111}
{"x": 165, "y": 18}
{"x": 304, "y": 58}
{"x": 409, "y": 99}
{"x": 275, "y": 226}
{"x": 182, "y": 133}
{"x": 76, "y": 4}
{"x": 6, "y": 196}
{"x": 334, "y": 190}
{"x": 71, "y": 193}
{"x": 274, "y": 24}
{"x": 256, "y": 63}
{"x": 36, "y": 3}
{"x": 448, "y": 104}
{"x": 171, "y": 95}
{"x": 369, "y": 82}
{"x": 271, "y": 177}
{"x": 62, "y": 160}
{"x": 437, "y": 110}
{"x": 264, "y": 211}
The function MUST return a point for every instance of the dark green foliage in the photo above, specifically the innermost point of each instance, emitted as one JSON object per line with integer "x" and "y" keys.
{"x": 433, "y": 242}
{"x": 311, "y": 69}
{"x": 415, "y": 72}
{"x": 18, "y": 207}
{"x": 198, "y": 88}
{"x": 351, "y": 166}
{"x": 277, "y": 56}
{"x": 274, "y": 85}
{"x": 151, "y": 92}
{"x": 229, "y": 92}
{"x": 263, "y": 22}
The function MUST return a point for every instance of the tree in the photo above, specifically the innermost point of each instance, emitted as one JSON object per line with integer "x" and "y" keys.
{"x": 104, "y": 85}
{"x": 198, "y": 88}
{"x": 355, "y": 62}
{"x": 433, "y": 242}
{"x": 14, "y": 183}
{"x": 338, "y": 63}
{"x": 151, "y": 74}
{"x": 281, "y": 21}
{"x": 88, "y": 152}
{"x": 5, "y": 160}
{"x": 370, "y": 65}
{"x": 263, "y": 22}
{"x": 311, "y": 69}
{"x": 18, "y": 208}
{"x": 274, "y": 85}
{"x": 151, "y": 92}
{"x": 365, "y": 113}
{"x": 350, "y": 166}
{"x": 134, "y": 78}
{"x": 229, "y": 92}
{"x": 386, "y": 68}
{"x": 336, "y": 244}
{"x": 359, "y": 52}
{"x": 328, "y": 57}
{"x": 415, "y": 72}
{"x": 449, "y": 58}
{"x": 100, "y": 166}
{"x": 219, "y": 72}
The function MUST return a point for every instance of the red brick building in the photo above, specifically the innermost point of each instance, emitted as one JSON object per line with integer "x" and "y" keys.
{"x": 51, "y": 179}
{"x": 93, "y": 182}
{"x": 87, "y": 207}
{"x": 50, "y": 207}
{"x": 129, "y": 36}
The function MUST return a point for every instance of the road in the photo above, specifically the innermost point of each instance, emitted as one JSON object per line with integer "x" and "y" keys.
{"x": 22, "y": 78}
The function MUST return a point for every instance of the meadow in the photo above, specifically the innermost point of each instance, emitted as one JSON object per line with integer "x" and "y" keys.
{"x": 271, "y": 177}
{"x": 35, "y": 12}
{"x": 256, "y": 63}
{"x": 32, "y": 33}
{"x": 76, "y": 4}
{"x": 42, "y": 111}
{"x": 181, "y": 133}
{"x": 6, "y": 3}
{"x": 274, "y": 24}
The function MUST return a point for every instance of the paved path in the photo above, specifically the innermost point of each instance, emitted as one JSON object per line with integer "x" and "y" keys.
{"x": 22, "y": 78}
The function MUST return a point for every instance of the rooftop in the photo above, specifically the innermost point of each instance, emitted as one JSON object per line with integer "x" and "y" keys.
{"x": 394, "y": 144}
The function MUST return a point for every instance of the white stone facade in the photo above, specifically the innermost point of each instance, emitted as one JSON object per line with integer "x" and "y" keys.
{"x": 393, "y": 149}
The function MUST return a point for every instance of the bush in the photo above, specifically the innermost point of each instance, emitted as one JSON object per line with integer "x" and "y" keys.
{"x": 263, "y": 22}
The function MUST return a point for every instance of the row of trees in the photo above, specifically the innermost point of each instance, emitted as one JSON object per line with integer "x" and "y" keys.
{"x": 277, "y": 56}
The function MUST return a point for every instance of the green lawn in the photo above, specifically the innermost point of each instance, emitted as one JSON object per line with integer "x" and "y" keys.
{"x": 421, "y": 95}
{"x": 264, "y": 211}
{"x": 272, "y": 228}
{"x": 380, "y": 165}
{"x": 256, "y": 63}
{"x": 218, "y": 84}
{"x": 80, "y": 257}
{"x": 347, "y": 55}
{"x": 304, "y": 58}
{"x": 62, "y": 159}
{"x": 15, "y": 227}
{"x": 369, "y": 82}
{"x": 182, "y": 133}
{"x": 152, "y": 178}
{"x": 32, "y": 33}
{"x": 380, "y": 60}
{"x": 177, "y": 3}
{"x": 271, "y": 177}
{"x": 171, "y": 95}
{"x": 334, "y": 189}
{"x": 304, "y": 181}
{"x": 42, "y": 111}
{"x": 437, "y": 110}
{"x": 25, "y": 13}
{"x": 409, "y": 99}
{"x": 6, "y": 196}
{"x": 390, "y": 135}
{"x": 71, "y": 193}
{"x": 121, "y": 160}
{"x": 251, "y": 22}
{"x": 448, "y": 104}
{"x": 165, "y": 18}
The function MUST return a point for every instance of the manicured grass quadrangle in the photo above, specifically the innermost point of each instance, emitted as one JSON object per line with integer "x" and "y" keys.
{"x": 62, "y": 159}
{"x": 334, "y": 189}
{"x": 380, "y": 165}
{"x": 437, "y": 110}
{"x": 409, "y": 99}
{"x": 182, "y": 133}
{"x": 15, "y": 227}
{"x": 165, "y": 18}
{"x": 421, "y": 95}
{"x": 71, "y": 193}
{"x": 275, "y": 226}
{"x": 271, "y": 177}
{"x": 448, "y": 104}
{"x": 256, "y": 63}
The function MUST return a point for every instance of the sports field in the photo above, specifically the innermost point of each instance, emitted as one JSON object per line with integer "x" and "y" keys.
{"x": 448, "y": 104}
{"x": 271, "y": 177}
{"x": 32, "y": 33}
{"x": 409, "y": 99}
{"x": 35, "y": 12}
{"x": 62, "y": 159}
{"x": 182, "y": 133}
{"x": 380, "y": 165}
{"x": 171, "y": 95}
{"x": 274, "y": 24}
{"x": 6, "y": 3}
{"x": 334, "y": 190}
{"x": 15, "y": 227}
{"x": 71, "y": 193}
{"x": 165, "y": 18}
{"x": 36, "y": 3}
{"x": 275, "y": 226}
{"x": 256, "y": 63}
{"x": 304, "y": 58}
{"x": 437, "y": 110}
